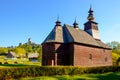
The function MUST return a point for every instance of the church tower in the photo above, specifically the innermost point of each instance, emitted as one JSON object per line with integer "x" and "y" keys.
{"x": 91, "y": 27}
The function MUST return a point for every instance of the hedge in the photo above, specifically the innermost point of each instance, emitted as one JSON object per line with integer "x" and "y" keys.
{"x": 34, "y": 71}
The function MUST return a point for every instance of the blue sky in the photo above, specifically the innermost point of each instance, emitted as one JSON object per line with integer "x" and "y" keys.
{"x": 21, "y": 19}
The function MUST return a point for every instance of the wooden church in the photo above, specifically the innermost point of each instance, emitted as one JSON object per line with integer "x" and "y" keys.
{"x": 69, "y": 45}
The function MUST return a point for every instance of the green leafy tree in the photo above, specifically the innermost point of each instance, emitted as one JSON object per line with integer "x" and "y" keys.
{"x": 115, "y": 46}
{"x": 24, "y": 49}
{"x": 20, "y": 51}
{"x": 32, "y": 49}
{"x": 39, "y": 50}
{"x": 115, "y": 51}
{"x": 3, "y": 50}
{"x": 27, "y": 48}
{"x": 115, "y": 58}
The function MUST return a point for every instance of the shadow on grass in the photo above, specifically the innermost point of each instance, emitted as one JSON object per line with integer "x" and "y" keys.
{"x": 67, "y": 77}
{"x": 13, "y": 65}
{"x": 107, "y": 76}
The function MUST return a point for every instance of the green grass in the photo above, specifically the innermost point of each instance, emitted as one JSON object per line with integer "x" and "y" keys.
{"x": 20, "y": 62}
{"x": 105, "y": 76}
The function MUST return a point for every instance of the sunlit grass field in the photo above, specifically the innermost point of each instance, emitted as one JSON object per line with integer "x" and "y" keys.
{"x": 105, "y": 76}
{"x": 17, "y": 63}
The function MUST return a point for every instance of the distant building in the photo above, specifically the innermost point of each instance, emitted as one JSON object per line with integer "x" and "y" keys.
{"x": 29, "y": 42}
{"x": 20, "y": 44}
{"x": 11, "y": 55}
{"x": 69, "y": 45}
{"x": 33, "y": 56}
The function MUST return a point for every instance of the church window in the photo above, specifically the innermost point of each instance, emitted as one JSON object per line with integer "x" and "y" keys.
{"x": 90, "y": 56}
{"x": 106, "y": 59}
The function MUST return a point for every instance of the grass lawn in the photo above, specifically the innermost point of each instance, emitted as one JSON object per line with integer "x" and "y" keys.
{"x": 105, "y": 76}
{"x": 20, "y": 62}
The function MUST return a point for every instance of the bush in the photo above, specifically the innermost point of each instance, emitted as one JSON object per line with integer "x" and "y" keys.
{"x": 0, "y": 63}
{"x": 16, "y": 62}
{"x": 5, "y": 62}
{"x": 34, "y": 71}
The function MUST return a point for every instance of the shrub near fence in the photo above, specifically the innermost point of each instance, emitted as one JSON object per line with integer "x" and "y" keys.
{"x": 34, "y": 71}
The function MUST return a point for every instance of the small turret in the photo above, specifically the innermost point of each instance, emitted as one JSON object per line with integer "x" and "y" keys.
{"x": 90, "y": 16}
{"x": 58, "y": 23}
{"x": 75, "y": 24}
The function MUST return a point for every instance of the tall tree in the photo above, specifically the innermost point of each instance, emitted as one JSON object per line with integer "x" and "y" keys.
{"x": 115, "y": 46}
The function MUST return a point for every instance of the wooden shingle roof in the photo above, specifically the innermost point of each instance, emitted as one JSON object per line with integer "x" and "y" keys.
{"x": 56, "y": 35}
{"x": 33, "y": 55}
{"x": 69, "y": 34}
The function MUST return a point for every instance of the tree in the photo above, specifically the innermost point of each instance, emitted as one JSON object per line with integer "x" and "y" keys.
{"x": 115, "y": 58}
{"x": 115, "y": 46}
{"x": 32, "y": 48}
{"x": 39, "y": 50}
{"x": 3, "y": 50}
{"x": 24, "y": 49}
{"x": 115, "y": 51}
{"x": 19, "y": 51}
{"x": 27, "y": 48}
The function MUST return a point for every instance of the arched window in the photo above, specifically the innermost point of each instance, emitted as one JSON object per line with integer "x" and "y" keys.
{"x": 106, "y": 59}
{"x": 90, "y": 56}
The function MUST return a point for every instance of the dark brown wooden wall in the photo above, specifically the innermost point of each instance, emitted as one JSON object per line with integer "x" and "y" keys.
{"x": 50, "y": 49}
{"x": 75, "y": 55}
{"x": 91, "y": 56}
